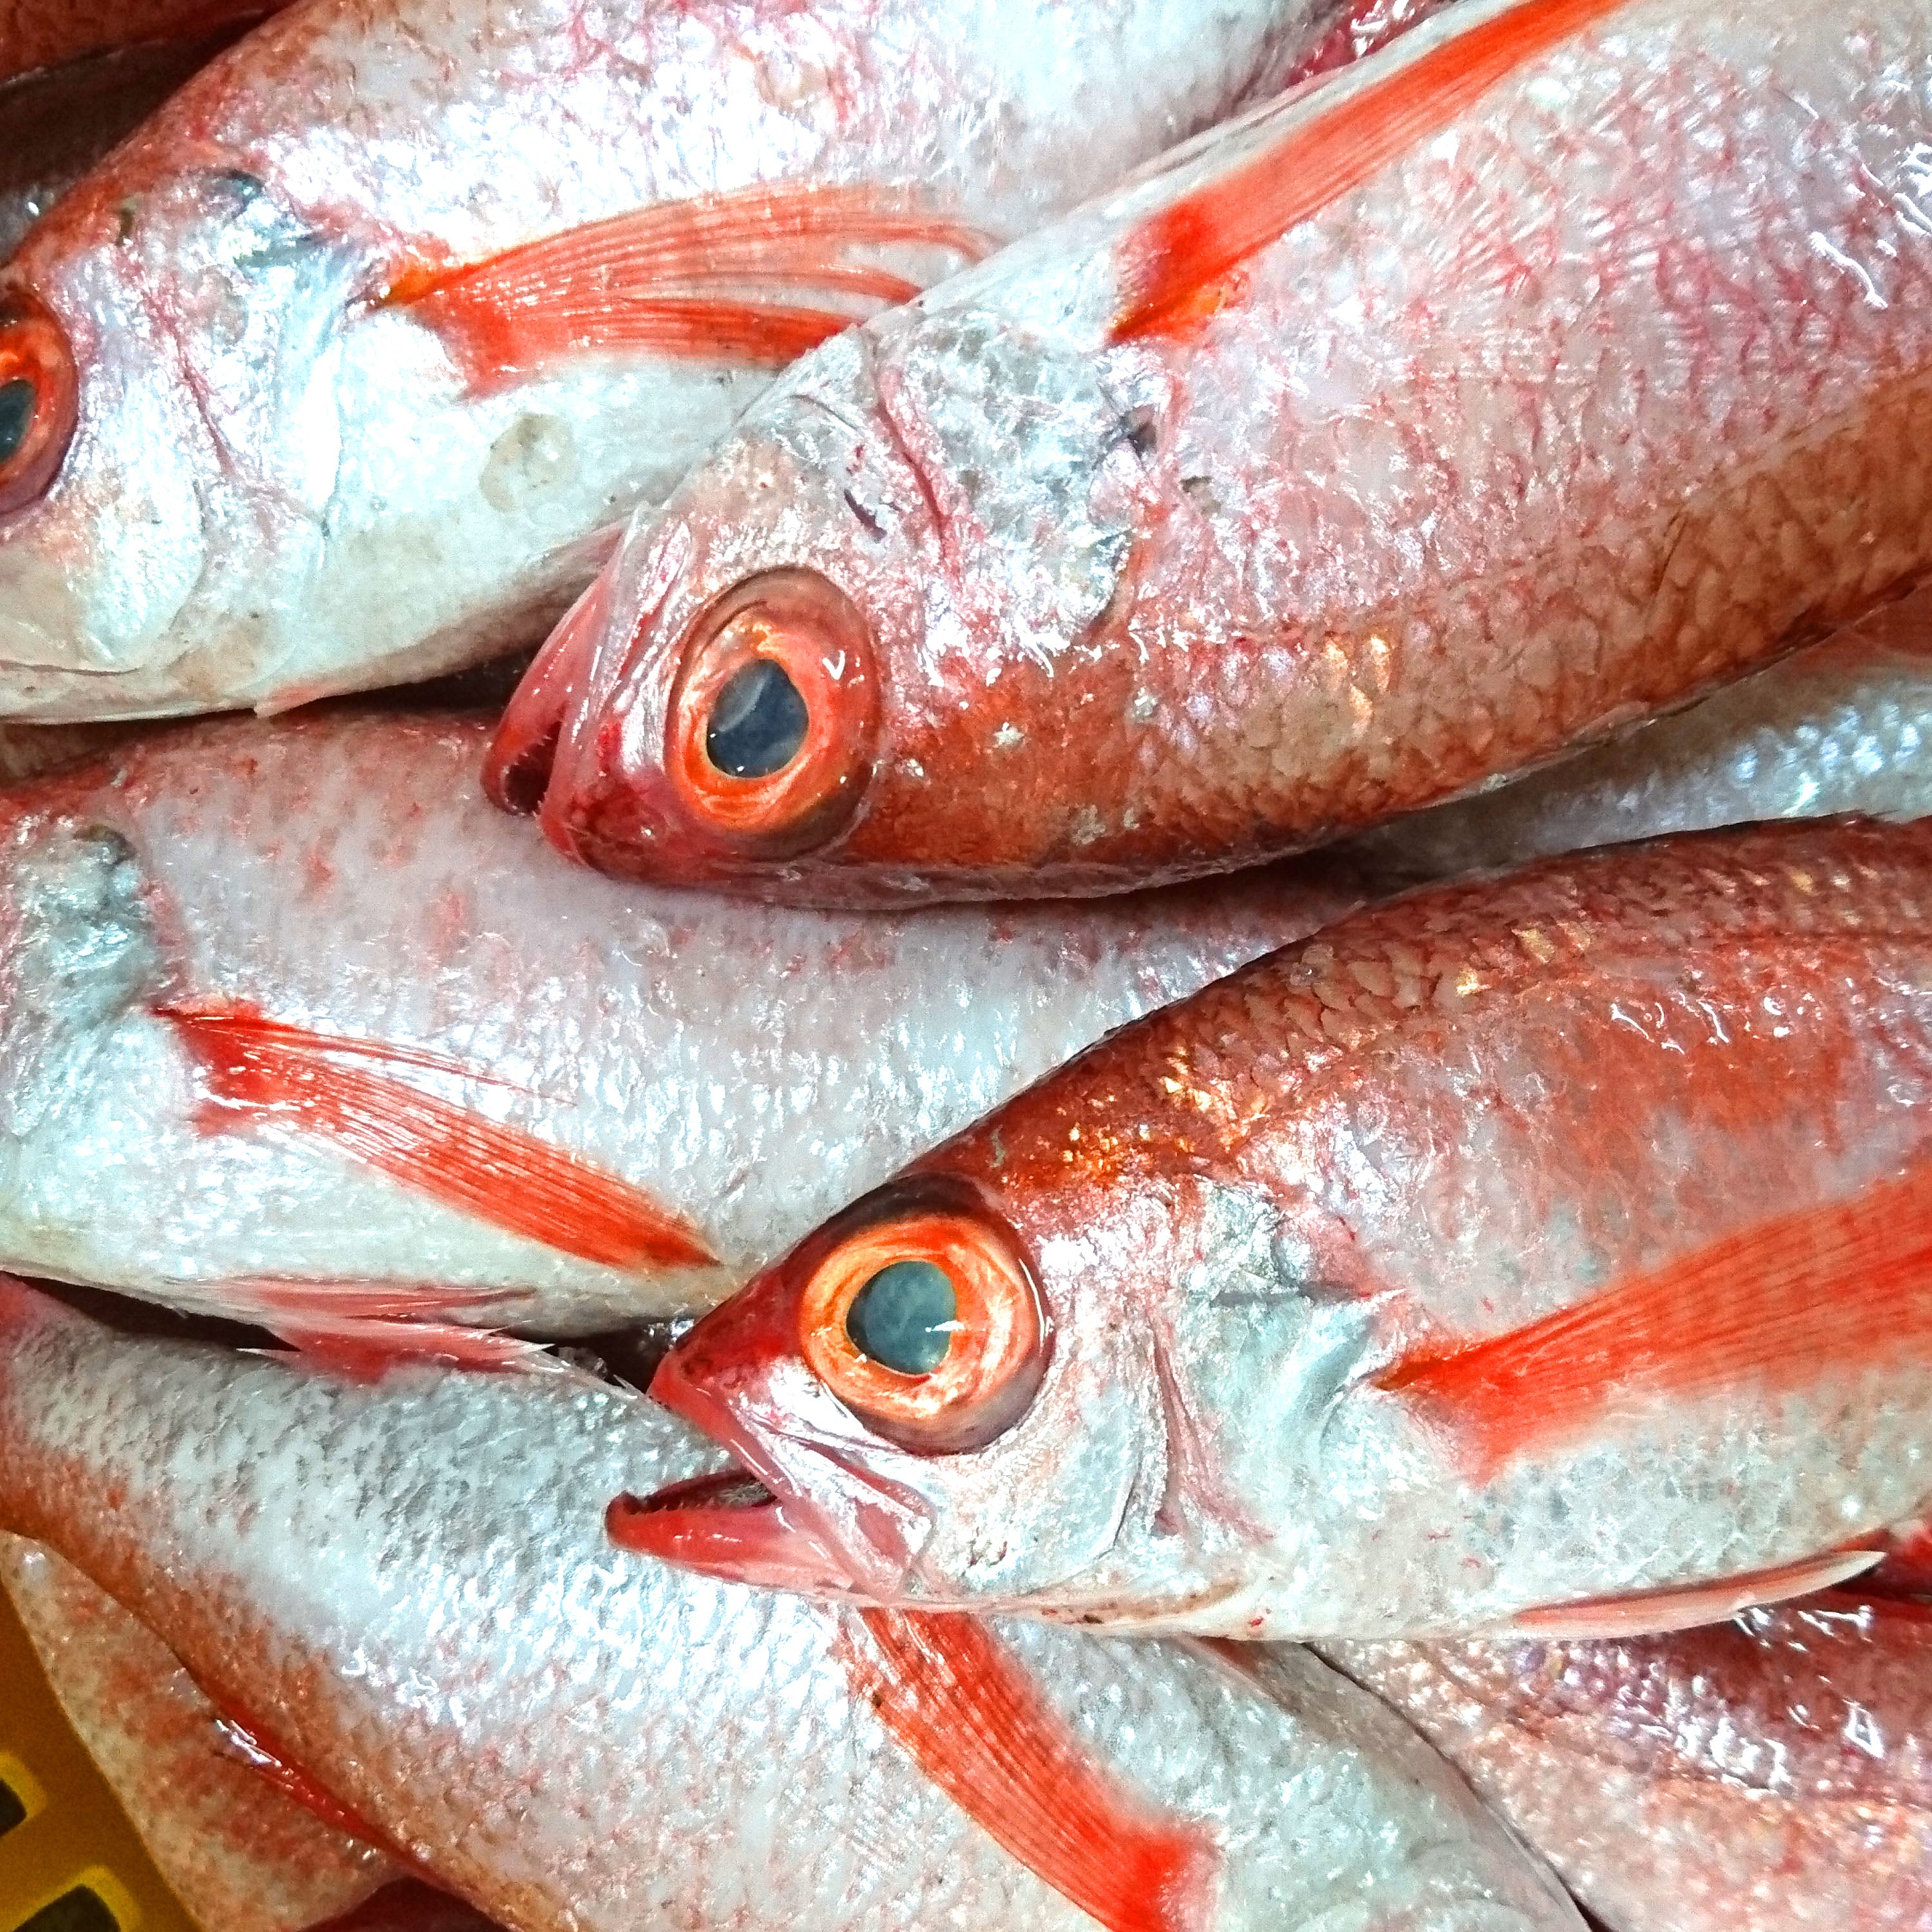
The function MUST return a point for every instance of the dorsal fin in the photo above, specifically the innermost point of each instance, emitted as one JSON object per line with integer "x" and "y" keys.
{"x": 1172, "y": 265}
{"x": 725, "y": 277}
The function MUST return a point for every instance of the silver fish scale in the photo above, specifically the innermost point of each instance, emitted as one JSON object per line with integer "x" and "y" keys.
{"x": 409, "y": 1584}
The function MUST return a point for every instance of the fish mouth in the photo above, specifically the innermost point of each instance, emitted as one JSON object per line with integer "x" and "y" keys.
{"x": 729, "y": 1526}
{"x": 523, "y": 754}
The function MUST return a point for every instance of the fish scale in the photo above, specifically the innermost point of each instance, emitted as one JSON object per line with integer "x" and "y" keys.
{"x": 1508, "y": 420}
{"x": 570, "y": 1738}
{"x": 1550, "y": 1248}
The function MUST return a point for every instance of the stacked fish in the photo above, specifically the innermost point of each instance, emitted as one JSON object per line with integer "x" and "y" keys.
{"x": 1148, "y": 1142}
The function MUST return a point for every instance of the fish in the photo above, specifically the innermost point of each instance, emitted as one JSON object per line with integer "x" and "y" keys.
{"x": 1766, "y": 1774}
{"x": 1843, "y": 727}
{"x": 294, "y": 1029}
{"x": 36, "y": 35}
{"x": 315, "y": 386}
{"x": 234, "y": 1850}
{"x": 1549, "y": 1253}
{"x": 402, "y": 1591}
{"x": 1429, "y": 421}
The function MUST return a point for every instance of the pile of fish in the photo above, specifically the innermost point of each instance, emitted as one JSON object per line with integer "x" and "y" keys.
{"x": 968, "y": 963}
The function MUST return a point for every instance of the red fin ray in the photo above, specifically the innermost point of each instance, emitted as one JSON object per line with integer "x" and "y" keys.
{"x": 1689, "y": 1606}
{"x": 261, "y": 1071}
{"x": 1199, "y": 242}
{"x": 970, "y": 1717}
{"x": 685, "y": 278}
{"x": 1827, "y": 1288}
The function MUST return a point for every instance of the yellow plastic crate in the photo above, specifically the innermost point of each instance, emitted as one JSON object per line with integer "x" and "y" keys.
{"x": 70, "y": 1861}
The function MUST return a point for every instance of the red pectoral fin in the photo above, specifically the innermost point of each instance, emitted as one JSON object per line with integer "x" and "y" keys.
{"x": 1778, "y": 1306}
{"x": 275, "y": 1764}
{"x": 975, "y": 1723}
{"x": 1198, "y": 242}
{"x": 727, "y": 277}
{"x": 260, "y": 1071}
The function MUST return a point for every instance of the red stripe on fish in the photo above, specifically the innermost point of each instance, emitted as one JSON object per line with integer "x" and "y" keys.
{"x": 1781, "y": 1304}
{"x": 271, "y": 1073}
{"x": 1172, "y": 265}
{"x": 974, "y": 1723}
{"x": 686, "y": 278}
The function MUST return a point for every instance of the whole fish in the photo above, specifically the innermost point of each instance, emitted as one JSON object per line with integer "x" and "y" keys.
{"x": 49, "y": 33}
{"x": 1552, "y": 1252}
{"x": 235, "y": 1851}
{"x": 1843, "y": 727}
{"x": 317, "y": 385}
{"x": 294, "y": 1027}
{"x": 402, "y": 1592}
{"x": 1563, "y": 359}
{"x": 1767, "y": 1775}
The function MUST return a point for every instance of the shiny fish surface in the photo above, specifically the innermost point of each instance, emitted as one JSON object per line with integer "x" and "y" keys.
{"x": 1552, "y": 1252}
{"x": 1561, "y": 361}
{"x": 1767, "y": 1775}
{"x": 291, "y": 1022}
{"x": 337, "y": 376}
{"x": 236, "y": 1851}
{"x": 407, "y": 1588}
{"x": 1843, "y": 727}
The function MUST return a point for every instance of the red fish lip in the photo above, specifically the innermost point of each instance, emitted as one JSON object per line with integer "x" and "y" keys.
{"x": 522, "y": 753}
{"x": 729, "y": 1526}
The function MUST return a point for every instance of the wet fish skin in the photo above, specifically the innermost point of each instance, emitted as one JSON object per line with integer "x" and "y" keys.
{"x": 409, "y": 1585}
{"x": 1843, "y": 727}
{"x": 284, "y": 485}
{"x": 1467, "y": 467}
{"x": 344, "y": 874}
{"x": 1765, "y": 1775}
{"x": 1514, "y": 1245}
{"x": 233, "y": 1850}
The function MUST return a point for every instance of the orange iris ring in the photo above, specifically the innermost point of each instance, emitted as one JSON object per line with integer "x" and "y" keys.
{"x": 34, "y": 347}
{"x": 813, "y": 635}
{"x": 994, "y": 1346}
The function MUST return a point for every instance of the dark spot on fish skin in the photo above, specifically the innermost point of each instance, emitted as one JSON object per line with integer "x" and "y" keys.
{"x": 246, "y": 187}
{"x": 124, "y": 217}
{"x": 1140, "y": 431}
{"x": 874, "y": 528}
{"x": 1199, "y": 491}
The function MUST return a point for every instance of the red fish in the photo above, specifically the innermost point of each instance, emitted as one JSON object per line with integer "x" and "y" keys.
{"x": 47, "y": 33}
{"x": 1552, "y": 1251}
{"x": 1560, "y": 361}
{"x": 1773, "y": 1775}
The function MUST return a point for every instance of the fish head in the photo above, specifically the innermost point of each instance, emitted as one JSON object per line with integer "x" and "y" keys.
{"x": 1033, "y": 1372}
{"x": 802, "y": 673}
{"x": 162, "y": 451}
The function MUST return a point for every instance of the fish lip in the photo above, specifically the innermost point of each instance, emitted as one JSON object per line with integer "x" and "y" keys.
{"x": 746, "y": 1541}
{"x": 522, "y": 753}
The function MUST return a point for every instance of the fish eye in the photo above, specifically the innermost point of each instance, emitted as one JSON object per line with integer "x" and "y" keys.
{"x": 925, "y": 1322}
{"x": 903, "y": 1317}
{"x": 757, "y": 725}
{"x": 775, "y": 715}
{"x": 39, "y": 394}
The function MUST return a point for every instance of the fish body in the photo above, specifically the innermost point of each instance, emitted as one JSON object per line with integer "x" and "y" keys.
{"x": 338, "y": 384}
{"x": 235, "y": 1851}
{"x": 289, "y": 1004}
{"x": 1414, "y": 428}
{"x": 1550, "y": 1252}
{"x": 1765, "y": 1775}
{"x": 1843, "y": 727}
{"x": 407, "y": 1586}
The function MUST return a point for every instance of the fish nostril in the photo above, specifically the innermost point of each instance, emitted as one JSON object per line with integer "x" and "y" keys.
{"x": 758, "y": 725}
{"x": 19, "y": 398}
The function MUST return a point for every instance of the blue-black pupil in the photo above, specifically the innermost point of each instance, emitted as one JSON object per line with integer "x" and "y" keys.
{"x": 758, "y": 723}
{"x": 902, "y": 1319}
{"x": 17, "y": 398}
